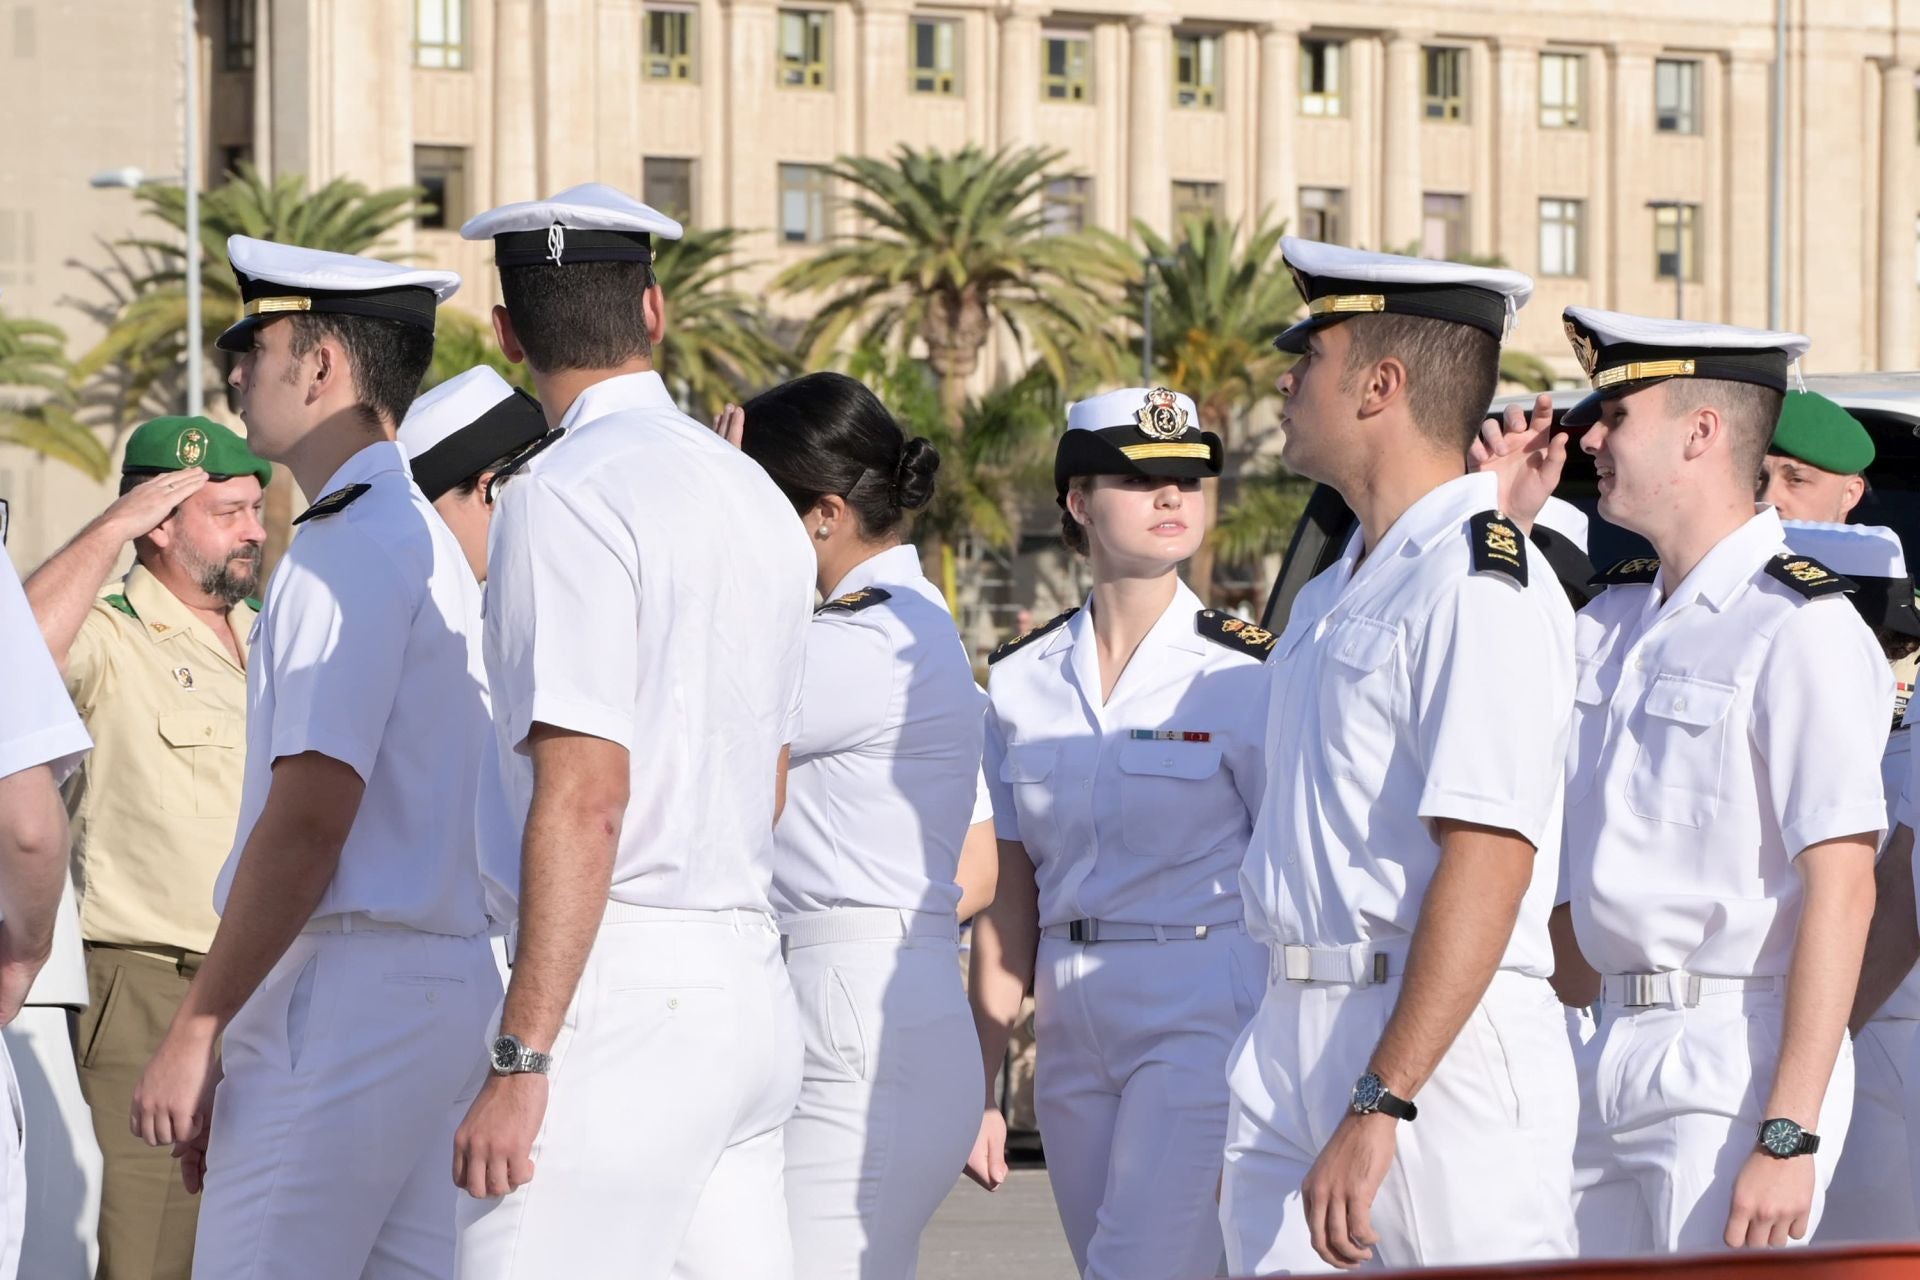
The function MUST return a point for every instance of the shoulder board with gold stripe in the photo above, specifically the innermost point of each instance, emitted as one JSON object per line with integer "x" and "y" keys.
{"x": 1808, "y": 576}
{"x": 855, "y": 601}
{"x": 1498, "y": 546}
{"x": 1041, "y": 630}
{"x": 518, "y": 462}
{"x": 1638, "y": 569}
{"x": 337, "y": 501}
{"x": 1234, "y": 633}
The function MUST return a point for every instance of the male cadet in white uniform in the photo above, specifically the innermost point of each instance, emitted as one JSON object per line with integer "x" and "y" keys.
{"x": 1723, "y": 807}
{"x": 350, "y": 974}
{"x": 41, "y": 742}
{"x": 1405, "y": 1093}
{"x": 648, "y": 596}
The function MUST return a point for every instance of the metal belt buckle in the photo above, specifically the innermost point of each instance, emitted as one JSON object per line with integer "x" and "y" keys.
{"x": 1083, "y": 931}
{"x": 1640, "y": 993}
{"x": 1298, "y": 962}
{"x": 1380, "y": 967}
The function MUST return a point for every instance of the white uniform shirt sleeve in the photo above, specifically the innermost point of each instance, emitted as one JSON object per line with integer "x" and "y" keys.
{"x": 38, "y": 724}
{"x": 1819, "y": 724}
{"x": 982, "y": 801}
{"x": 1492, "y": 688}
{"x": 340, "y": 633}
{"x": 846, "y": 688}
{"x": 1006, "y": 821}
{"x": 563, "y": 604}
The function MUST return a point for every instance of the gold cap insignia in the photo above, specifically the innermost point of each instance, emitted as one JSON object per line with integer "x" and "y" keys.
{"x": 1584, "y": 348}
{"x": 191, "y": 447}
{"x": 1162, "y": 417}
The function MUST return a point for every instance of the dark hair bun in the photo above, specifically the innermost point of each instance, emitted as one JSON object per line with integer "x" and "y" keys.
{"x": 913, "y": 478}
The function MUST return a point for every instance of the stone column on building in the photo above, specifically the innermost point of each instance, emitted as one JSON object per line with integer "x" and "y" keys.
{"x": 263, "y": 86}
{"x": 747, "y": 92}
{"x": 1513, "y": 119}
{"x": 1400, "y": 189}
{"x": 1019, "y": 75}
{"x": 882, "y": 81}
{"x": 1749, "y": 160}
{"x": 1150, "y": 98}
{"x": 1629, "y": 255}
{"x": 516, "y": 171}
{"x": 1277, "y": 180}
{"x": 1897, "y": 213}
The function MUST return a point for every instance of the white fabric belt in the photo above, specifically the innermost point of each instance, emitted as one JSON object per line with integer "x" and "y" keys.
{"x": 1676, "y": 988}
{"x": 736, "y": 918}
{"x": 1118, "y": 931}
{"x": 355, "y": 922}
{"x": 866, "y": 924}
{"x": 1364, "y": 964}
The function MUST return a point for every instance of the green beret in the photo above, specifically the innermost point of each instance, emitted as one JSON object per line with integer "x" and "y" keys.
{"x": 1814, "y": 429}
{"x": 174, "y": 444}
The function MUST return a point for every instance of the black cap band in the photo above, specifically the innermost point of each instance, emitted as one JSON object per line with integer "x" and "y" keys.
{"x": 1329, "y": 301}
{"x": 264, "y": 300}
{"x": 511, "y": 424}
{"x": 1123, "y": 451}
{"x": 558, "y": 245}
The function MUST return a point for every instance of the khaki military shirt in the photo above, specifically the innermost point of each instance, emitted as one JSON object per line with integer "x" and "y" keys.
{"x": 153, "y": 811}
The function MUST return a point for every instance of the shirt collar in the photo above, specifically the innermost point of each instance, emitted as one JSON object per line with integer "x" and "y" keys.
{"x": 899, "y": 565}
{"x": 163, "y": 617}
{"x": 1439, "y": 511}
{"x": 1174, "y": 628}
{"x": 1731, "y": 564}
{"x": 379, "y": 457}
{"x": 627, "y": 391}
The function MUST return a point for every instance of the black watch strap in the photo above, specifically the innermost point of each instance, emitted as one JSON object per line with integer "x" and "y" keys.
{"x": 1392, "y": 1104}
{"x": 1371, "y": 1095}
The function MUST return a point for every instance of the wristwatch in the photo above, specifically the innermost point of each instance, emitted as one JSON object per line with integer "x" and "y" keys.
{"x": 1370, "y": 1094}
{"x": 509, "y": 1057}
{"x": 1783, "y": 1139}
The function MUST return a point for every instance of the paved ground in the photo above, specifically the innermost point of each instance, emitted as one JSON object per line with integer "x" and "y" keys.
{"x": 1013, "y": 1232}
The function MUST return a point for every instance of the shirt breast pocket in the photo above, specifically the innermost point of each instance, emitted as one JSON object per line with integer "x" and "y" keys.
{"x": 206, "y": 760}
{"x": 1683, "y": 729}
{"x": 1165, "y": 795}
{"x": 1029, "y": 768}
{"x": 1356, "y": 698}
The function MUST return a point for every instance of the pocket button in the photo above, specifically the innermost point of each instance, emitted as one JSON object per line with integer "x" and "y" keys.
{"x": 673, "y": 1002}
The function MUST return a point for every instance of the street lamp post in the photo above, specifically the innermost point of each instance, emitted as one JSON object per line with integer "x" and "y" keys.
{"x": 1146, "y": 315}
{"x": 132, "y": 177}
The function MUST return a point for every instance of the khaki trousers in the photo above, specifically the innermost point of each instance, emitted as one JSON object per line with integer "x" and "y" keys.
{"x": 147, "y": 1219}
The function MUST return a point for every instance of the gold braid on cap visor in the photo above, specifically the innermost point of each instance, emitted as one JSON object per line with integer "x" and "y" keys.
{"x": 1642, "y": 369}
{"x": 258, "y": 305}
{"x": 1140, "y": 452}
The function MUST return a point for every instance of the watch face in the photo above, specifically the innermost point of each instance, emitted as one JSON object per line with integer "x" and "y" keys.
{"x": 506, "y": 1054}
{"x": 1367, "y": 1092}
{"x": 1780, "y": 1137}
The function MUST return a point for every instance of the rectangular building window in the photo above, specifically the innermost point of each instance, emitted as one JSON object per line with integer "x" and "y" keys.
{"x": 666, "y": 183}
{"x": 1198, "y": 200}
{"x": 804, "y": 199}
{"x": 1562, "y": 232}
{"x": 1063, "y": 205}
{"x": 1676, "y": 96}
{"x": 1066, "y": 73}
{"x": 1322, "y": 75}
{"x": 1446, "y": 84}
{"x": 1443, "y": 225}
{"x": 236, "y": 36}
{"x": 233, "y": 156}
{"x": 1563, "y": 91}
{"x": 806, "y": 45}
{"x": 936, "y": 56}
{"x": 440, "y": 34}
{"x": 1323, "y": 214}
{"x": 1196, "y": 70}
{"x": 670, "y": 52}
{"x": 1676, "y": 242}
{"x": 442, "y": 172}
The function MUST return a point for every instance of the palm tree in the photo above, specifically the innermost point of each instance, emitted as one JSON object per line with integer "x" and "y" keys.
{"x": 33, "y": 357}
{"x": 717, "y": 347}
{"x": 1218, "y": 298}
{"x": 1271, "y": 502}
{"x": 951, "y": 246}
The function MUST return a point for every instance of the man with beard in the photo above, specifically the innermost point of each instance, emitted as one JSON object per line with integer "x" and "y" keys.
{"x": 157, "y": 669}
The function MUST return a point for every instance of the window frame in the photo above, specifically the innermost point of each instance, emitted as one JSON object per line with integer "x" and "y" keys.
{"x": 1202, "y": 205}
{"x": 1076, "y": 196}
{"x": 1205, "y": 89}
{"x": 1075, "y": 89}
{"x": 1572, "y": 106}
{"x": 1331, "y": 53}
{"x": 454, "y": 52}
{"x": 935, "y": 81}
{"x": 678, "y": 68}
{"x": 1334, "y": 212}
{"x": 1458, "y": 219}
{"x": 1438, "y": 64}
{"x": 692, "y": 172}
{"x": 814, "y": 183}
{"x": 1683, "y": 219}
{"x": 449, "y": 213}
{"x": 238, "y": 41}
{"x": 1690, "y": 86}
{"x": 813, "y": 65}
{"x": 1570, "y": 224}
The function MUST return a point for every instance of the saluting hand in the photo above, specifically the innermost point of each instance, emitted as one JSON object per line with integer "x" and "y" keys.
{"x": 1526, "y": 454}
{"x": 493, "y": 1150}
{"x": 730, "y": 424}
{"x": 987, "y": 1163}
{"x": 1772, "y": 1200}
{"x": 136, "y": 513}
{"x": 1342, "y": 1184}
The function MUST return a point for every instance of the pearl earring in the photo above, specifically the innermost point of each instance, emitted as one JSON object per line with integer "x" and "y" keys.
{"x": 821, "y": 532}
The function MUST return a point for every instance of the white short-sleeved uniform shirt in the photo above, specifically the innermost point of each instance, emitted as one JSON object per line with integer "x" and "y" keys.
{"x": 1895, "y": 769}
{"x": 649, "y": 585}
{"x": 1411, "y": 687}
{"x": 1721, "y": 726}
{"x": 1134, "y": 811}
{"x": 885, "y": 769}
{"x": 365, "y": 652}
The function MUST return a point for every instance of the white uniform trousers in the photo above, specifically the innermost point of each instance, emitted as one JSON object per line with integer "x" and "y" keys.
{"x": 890, "y": 1099}
{"x": 1130, "y": 1092}
{"x": 1482, "y": 1175}
{"x": 1671, "y": 1101}
{"x": 1872, "y": 1197}
{"x": 346, "y": 1074}
{"x": 63, "y": 1167}
{"x": 660, "y": 1155}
